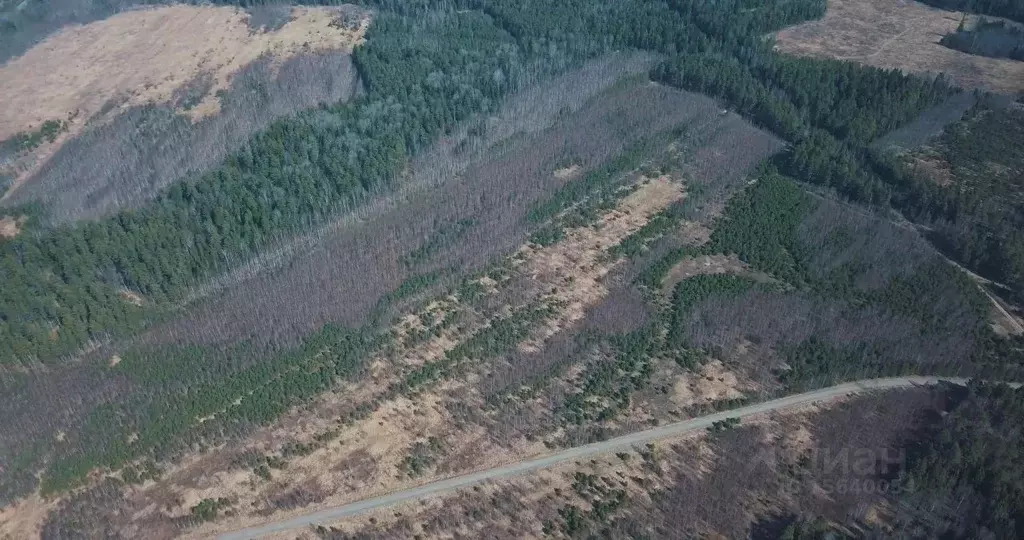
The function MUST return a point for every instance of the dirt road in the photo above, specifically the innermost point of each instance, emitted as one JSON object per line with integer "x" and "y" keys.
{"x": 617, "y": 444}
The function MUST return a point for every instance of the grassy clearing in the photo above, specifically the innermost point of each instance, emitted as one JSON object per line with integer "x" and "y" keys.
{"x": 902, "y": 35}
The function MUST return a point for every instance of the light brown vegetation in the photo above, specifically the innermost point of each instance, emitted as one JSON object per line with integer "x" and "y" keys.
{"x": 567, "y": 172}
{"x": 24, "y": 518}
{"x": 540, "y": 494}
{"x": 1003, "y": 315}
{"x": 1002, "y": 320}
{"x": 932, "y": 166}
{"x": 699, "y": 485}
{"x": 573, "y": 266}
{"x": 131, "y": 297}
{"x": 714, "y": 383}
{"x": 901, "y": 34}
{"x": 145, "y": 56}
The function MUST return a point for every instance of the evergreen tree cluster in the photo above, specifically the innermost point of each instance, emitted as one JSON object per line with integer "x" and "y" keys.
{"x": 1011, "y": 9}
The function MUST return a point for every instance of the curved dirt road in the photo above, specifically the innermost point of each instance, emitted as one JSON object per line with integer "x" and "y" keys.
{"x": 611, "y": 445}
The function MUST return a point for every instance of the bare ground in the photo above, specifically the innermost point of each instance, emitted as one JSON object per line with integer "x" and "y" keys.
{"x": 573, "y": 266}
{"x": 901, "y": 34}
{"x": 24, "y": 519}
{"x": 714, "y": 382}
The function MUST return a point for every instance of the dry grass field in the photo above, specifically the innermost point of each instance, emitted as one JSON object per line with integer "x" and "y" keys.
{"x": 901, "y": 34}
{"x": 148, "y": 56}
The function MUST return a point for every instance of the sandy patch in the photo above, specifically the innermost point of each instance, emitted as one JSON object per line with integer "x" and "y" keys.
{"x": 131, "y": 297}
{"x": 798, "y": 441}
{"x": 697, "y": 233}
{"x": 145, "y": 56}
{"x": 705, "y": 264}
{"x": 931, "y": 166}
{"x": 574, "y": 267}
{"x": 488, "y": 284}
{"x": 11, "y": 226}
{"x": 713, "y": 383}
{"x": 25, "y": 518}
{"x": 1002, "y": 320}
{"x": 901, "y": 34}
{"x": 567, "y": 172}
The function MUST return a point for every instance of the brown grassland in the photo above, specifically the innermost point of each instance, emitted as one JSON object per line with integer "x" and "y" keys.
{"x": 144, "y": 56}
{"x": 901, "y": 34}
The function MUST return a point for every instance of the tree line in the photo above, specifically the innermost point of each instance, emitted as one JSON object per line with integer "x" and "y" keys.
{"x": 994, "y": 39}
{"x": 1011, "y": 9}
